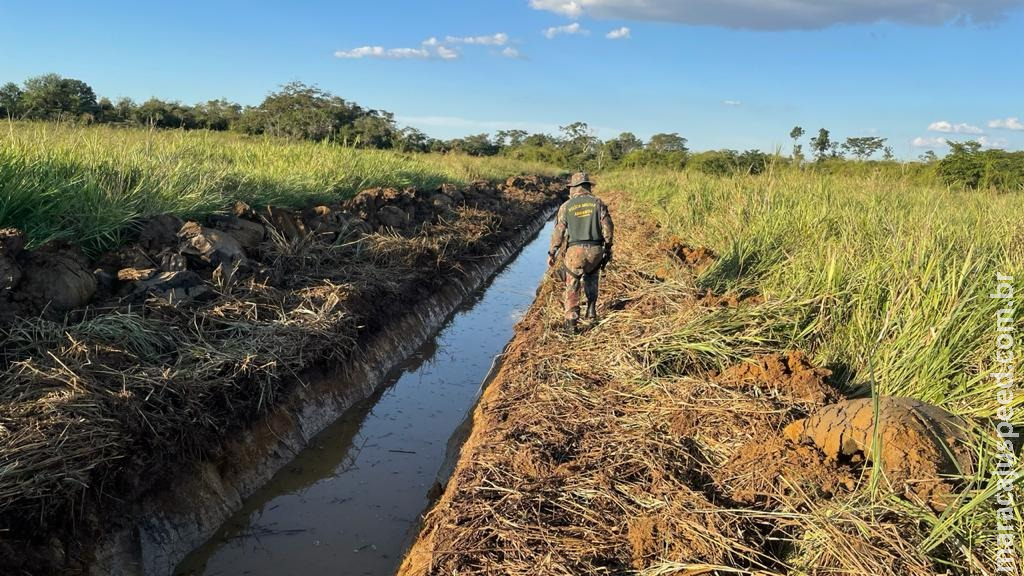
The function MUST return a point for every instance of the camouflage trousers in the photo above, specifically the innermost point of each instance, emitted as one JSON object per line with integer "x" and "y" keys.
{"x": 581, "y": 264}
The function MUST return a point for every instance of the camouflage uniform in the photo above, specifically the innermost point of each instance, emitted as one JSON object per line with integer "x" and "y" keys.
{"x": 584, "y": 224}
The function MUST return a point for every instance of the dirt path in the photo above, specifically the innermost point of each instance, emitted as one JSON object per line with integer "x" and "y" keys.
{"x": 623, "y": 450}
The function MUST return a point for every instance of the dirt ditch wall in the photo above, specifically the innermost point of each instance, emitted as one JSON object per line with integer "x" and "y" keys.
{"x": 172, "y": 524}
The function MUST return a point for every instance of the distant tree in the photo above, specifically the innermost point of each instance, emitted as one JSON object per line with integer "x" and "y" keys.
{"x": 964, "y": 165}
{"x": 821, "y": 145}
{"x": 716, "y": 162}
{"x": 672, "y": 142}
{"x": 412, "y": 140}
{"x": 863, "y": 147}
{"x": 217, "y": 114}
{"x": 124, "y": 110}
{"x": 887, "y": 154}
{"x": 511, "y": 138}
{"x": 52, "y": 97}
{"x": 928, "y": 157}
{"x": 479, "y": 145}
{"x": 796, "y": 134}
{"x": 625, "y": 143}
{"x": 155, "y": 112}
{"x": 373, "y": 130}
{"x": 579, "y": 143}
{"x": 10, "y": 100}
{"x": 753, "y": 162}
{"x": 105, "y": 110}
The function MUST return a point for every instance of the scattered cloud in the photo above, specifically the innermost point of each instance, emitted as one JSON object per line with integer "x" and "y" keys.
{"x": 568, "y": 29}
{"x": 432, "y": 48}
{"x": 941, "y": 142}
{"x": 987, "y": 142}
{"x": 786, "y": 14}
{"x": 385, "y": 53}
{"x": 732, "y": 103}
{"x": 499, "y": 39}
{"x": 929, "y": 142}
{"x": 623, "y": 33}
{"x": 1011, "y": 123}
{"x": 949, "y": 128}
{"x": 446, "y": 53}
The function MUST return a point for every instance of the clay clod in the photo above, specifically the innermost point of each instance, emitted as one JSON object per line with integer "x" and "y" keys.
{"x": 160, "y": 232}
{"x": 791, "y": 376}
{"x": 11, "y": 243}
{"x": 56, "y": 276}
{"x": 212, "y": 247}
{"x": 249, "y": 234}
{"x": 285, "y": 222}
{"x": 696, "y": 259}
{"x": 921, "y": 446}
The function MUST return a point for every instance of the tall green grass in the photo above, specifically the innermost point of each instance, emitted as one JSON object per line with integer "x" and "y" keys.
{"x": 91, "y": 184}
{"x": 901, "y": 272}
{"x": 894, "y": 275}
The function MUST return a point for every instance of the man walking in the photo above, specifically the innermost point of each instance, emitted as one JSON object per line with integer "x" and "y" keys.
{"x": 585, "y": 226}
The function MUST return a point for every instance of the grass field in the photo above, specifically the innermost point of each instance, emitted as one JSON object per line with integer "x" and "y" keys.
{"x": 885, "y": 280}
{"x": 883, "y": 277}
{"x": 90, "y": 184}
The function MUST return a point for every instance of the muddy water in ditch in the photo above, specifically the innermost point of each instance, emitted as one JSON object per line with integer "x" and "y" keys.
{"x": 350, "y": 503}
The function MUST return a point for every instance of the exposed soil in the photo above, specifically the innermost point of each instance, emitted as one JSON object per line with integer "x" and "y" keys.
{"x": 695, "y": 258}
{"x": 586, "y": 459}
{"x": 922, "y": 448}
{"x": 118, "y": 370}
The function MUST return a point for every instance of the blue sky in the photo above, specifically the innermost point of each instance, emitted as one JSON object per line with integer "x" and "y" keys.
{"x": 723, "y": 73}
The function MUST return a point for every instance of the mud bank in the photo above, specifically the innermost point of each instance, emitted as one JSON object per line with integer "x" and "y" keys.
{"x": 183, "y": 432}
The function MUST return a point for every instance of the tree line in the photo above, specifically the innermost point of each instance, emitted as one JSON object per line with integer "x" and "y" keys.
{"x": 296, "y": 111}
{"x": 304, "y": 112}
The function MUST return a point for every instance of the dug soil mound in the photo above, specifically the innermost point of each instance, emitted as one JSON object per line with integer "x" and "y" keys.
{"x": 116, "y": 370}
{"x": 791, "y": 375}
{"x": 695, "y": 258}
{"x": 623, "y": 450}
{"x": 922, "y": 448}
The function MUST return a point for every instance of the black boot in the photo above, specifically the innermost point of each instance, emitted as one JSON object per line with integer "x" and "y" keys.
{"x": 570, "y": 327}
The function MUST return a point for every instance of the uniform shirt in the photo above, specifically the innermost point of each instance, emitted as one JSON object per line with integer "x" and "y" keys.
{"x": 584, "y": 218}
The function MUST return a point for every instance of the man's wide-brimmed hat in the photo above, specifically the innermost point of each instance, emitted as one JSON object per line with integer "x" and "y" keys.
{"x": 579, "y": 179}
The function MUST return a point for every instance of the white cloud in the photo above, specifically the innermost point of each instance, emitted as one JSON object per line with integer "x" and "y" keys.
{"x": 569, "y": 29}
{"x": 947, "y": 127}
{"x": 732, "y": 103}
{"x": 431, "y": 48}
{"x": 929, "y": 142}
{"x": 785, "y": 14}
{"x": 499, "y": 39}
{"x": 619, "y": 34}
{"x": 510, "y": 52}
{"x": 385, "y": 53}
{"x": 446, "y": 53}
{"x": 1011, "y": 123}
